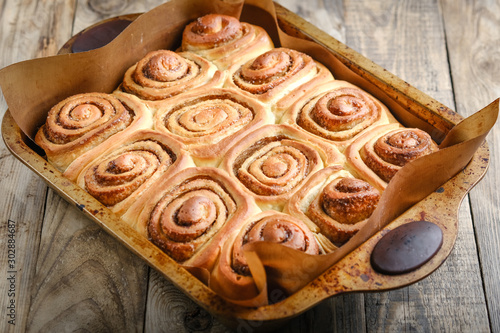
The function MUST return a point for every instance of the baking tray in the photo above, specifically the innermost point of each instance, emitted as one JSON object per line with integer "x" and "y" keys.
{"x": 353, "y": 273}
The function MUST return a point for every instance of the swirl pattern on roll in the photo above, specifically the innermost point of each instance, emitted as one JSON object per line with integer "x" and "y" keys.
{"x": 337, "y": 111}
{"x": 377, "y": 154}
{"x": 387, "y": 154}
{"x": 123, "y": 169}
{"x": 209, "y": 122}
{"x": 276, "y": 228}
{"x": 232, "y": 275}
{"x": 278, "y": 77}
{"x": 273, "y": 161}
{"x": 189, "y": 214}
{"x": 334, "y": 203}
{"x": 78, "y": 115}
{"x": 187, "y": 218}
{"x": 277, "y": 167}
{"x": 271, "y": 69}
{"x": 343, "y": 207}
{"x": 118, "y": 175}
{"x": 162, "y": 74}
{"x": 225, "y": 40}
{"x": 83, "y": 121}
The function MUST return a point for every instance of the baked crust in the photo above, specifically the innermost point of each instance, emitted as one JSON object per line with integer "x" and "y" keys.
{"x": 209, "y": 121}
{"x": 278, "y": 78}
{"x": 337, "y": 112}
{"x": 225, "y": 40}
{"x": 81, "y": 122}
{"x": 380, "y": 152}
{"x": 334, "y": 203}
{"x": 272, "y": 162}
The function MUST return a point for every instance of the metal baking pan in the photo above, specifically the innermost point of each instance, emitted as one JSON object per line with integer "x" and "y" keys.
{"x": 354, "y": 272}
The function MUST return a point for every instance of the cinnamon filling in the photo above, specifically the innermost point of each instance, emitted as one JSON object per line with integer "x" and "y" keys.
{"x": 279, "y": 229}
{"x": 349, "y": 200}
{"x": 395, "y": 149}
{"x": 212, "y": 30}
{"x": 165, "y": 66}
{"x": 339, "y": 114}
{"x": 195, "y": 210}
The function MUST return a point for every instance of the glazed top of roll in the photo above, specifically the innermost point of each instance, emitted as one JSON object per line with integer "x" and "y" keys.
{"x": 338, "y": 112}
{"x": 278, "y": 77}
{"x": 162, "y": 74}
{"x": 273, "y": 161}
{"x": 225, "y": 40}
{"x": 80, "y": 122}
{"x": 379, "y": 153}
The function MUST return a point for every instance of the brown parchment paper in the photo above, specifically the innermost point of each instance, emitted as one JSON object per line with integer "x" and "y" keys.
{"x": 283, "y": 265}
{"x": 32, "y": 87}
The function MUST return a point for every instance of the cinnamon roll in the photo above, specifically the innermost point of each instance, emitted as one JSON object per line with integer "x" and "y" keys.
{"x": 336, "y": 202}
{"x": 190, "y": 214}
{"x": 81, "y": 122}
{"x": 225, "y": 40}
{"x": 337, "y": 112}
{"x": 278, "y": 77}
{"x": 231, "y": 277}
{"x": 273, "y": 161}
{"x": 209, "y": 122}
{"x": 162, "y": 74}
{"x": 379, "y": 153}
{"x": 119, "y": 171}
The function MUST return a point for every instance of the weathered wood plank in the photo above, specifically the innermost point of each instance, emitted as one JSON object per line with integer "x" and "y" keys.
{"x": 473, "y": 39}
{"x": 404, "y": 37}
{"x": 167, "y": 305}
{"x": 23, "y": 193}
{"x": 23, "y": 202}
{"x": 344, "y": 313}
{"x": 169, "y": 310}
{"x": 85, "y": 279}
{"x": 76, "y": 286}
{"x": 326, "y": 15}
{"x": 92, "y": 11}
{"x": 407, "y": 38}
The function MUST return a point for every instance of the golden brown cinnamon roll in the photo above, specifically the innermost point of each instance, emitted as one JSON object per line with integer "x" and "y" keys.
{"x": 209, "y": 122}
{"x": 336, "y": 202}
{"x": 379, "y": 153}
{"x": 81, "y": 122}
{"x": 231, "y": 276}
{"x": 225, "y": 40}
{"x": 278, "y": 77}
{"x": 273, "y": 161}
{"x": 337, "y": 112}
{"x": 162, "y": 74}
{"x": 190, "y": 214}
{"x": 119, "y": 171}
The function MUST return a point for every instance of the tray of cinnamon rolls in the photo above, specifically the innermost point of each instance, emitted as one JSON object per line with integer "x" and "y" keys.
{"x": 232, "y": 137}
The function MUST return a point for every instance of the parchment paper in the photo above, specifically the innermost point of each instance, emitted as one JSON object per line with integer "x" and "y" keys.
{"x": 32, "y": 87}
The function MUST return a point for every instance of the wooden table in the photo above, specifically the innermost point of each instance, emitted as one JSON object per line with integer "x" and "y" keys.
{"x": 72, "y": 276}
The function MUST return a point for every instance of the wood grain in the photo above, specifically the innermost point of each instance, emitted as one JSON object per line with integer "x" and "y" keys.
{"x": 169, "y": 310}
{"x": 407, "y": 38}
{"x": 23, "y": 193}
{"x": 84, "y": 276}
{"x": 474, "y": 55}
{"x": 344, "y": 313}
{"x": 72, "y": 276}
{"x": 89, "y": 12}
{"x": 85, "y": 279}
